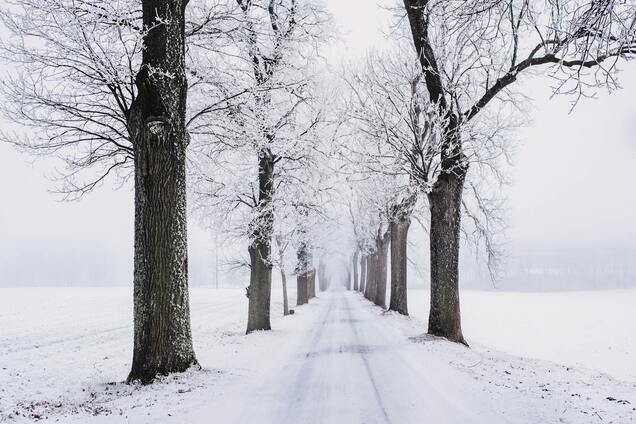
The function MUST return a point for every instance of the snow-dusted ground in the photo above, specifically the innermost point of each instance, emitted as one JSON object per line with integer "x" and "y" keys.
{"x": 64, "y": 353}
{"x": 592, "y": 329}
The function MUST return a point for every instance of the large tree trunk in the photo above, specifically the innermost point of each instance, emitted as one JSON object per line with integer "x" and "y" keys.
{"x": 162, "y": 333}
{"x": 363, "y": 273}
{"x": 445, "y": 198}
{"x": 355, "y": 270}
{"x": 302, "y": 276}
{"x": 445, "y": 202}
{"x": 382, "y": 244}
{"x": 399, "y": 242}
{"x": 260, "y": 289}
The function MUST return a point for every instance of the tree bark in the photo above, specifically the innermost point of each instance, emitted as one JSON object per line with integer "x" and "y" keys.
{"x": 162, "y": 332}
{"x": 302, "y": 289}
{"x": 445, "y": 198}
{"x": 283, "y": 276}
{"x": 302, "y": 276}
{"x": 369, "y": 292}
{"x": 399, "y": 288}
{"x": 311, "y": 278}
{"x": 260, "y": 288}
{"x": 355, "y": 270}
{"x": 445, "y": 202}
{"x": 369, "y": 272}
{"x": 382, "y": 243}
{"x": 311, "y": 274}
{"x": 363, "y": 273}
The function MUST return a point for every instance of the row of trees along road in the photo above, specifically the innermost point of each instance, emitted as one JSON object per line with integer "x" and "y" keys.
{"x": 228, "y": 99}
{"x": 418, "y": 132}
{"x": 126, "y": 89}
{"x": 472, "y": 55}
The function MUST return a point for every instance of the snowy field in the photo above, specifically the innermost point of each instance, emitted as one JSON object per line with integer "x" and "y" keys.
{"x": 65, "y": 351}
{"x": 592, "y": 329}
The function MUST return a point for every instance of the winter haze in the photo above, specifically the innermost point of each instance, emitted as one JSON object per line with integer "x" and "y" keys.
{"x": 318, "y": 211}
{"x": 570, "y": 197}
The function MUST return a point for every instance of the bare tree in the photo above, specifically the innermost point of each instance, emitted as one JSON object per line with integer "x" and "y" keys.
{"x": 282, "y": 246}
{"x": 401, "y": 141}
{"x": 377, "y": 294}
{"x": 283, "y": 20}
{"x": 163, "y": 338}
{"x": 304, "y": 274}
{"x": 357, "y": 242}
{"x": 271, "y": 62}
{"x": 471, "y": 54}
{"x": 301, "y": 214}
{"x": 103, "y": 86}
{"x": 367, "y": 199}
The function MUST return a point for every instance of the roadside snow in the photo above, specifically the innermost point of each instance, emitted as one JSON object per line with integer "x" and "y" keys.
{"x": 65, "y": 351}
{"x": 591, "y": 329}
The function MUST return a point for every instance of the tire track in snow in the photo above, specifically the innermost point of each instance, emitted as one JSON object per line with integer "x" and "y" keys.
{"x": 365, "y": 359}
{"x": 306, "y": 372}
{"x": 334, "y": 372}
{"x": 347, "y": 364}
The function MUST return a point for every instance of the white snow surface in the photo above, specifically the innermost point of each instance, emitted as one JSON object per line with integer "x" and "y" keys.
{"x": 64, "y": 353}
{"x": 591, "y": 329}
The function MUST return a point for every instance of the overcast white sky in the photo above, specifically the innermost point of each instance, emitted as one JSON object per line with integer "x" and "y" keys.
{"x": 573, "y": 186}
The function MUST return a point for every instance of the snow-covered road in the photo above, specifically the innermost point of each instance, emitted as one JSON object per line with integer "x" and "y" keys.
{"x": 351, "y": 366}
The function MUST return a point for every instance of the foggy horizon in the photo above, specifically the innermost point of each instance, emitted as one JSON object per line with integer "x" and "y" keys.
{"x": 569, "y": 191}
